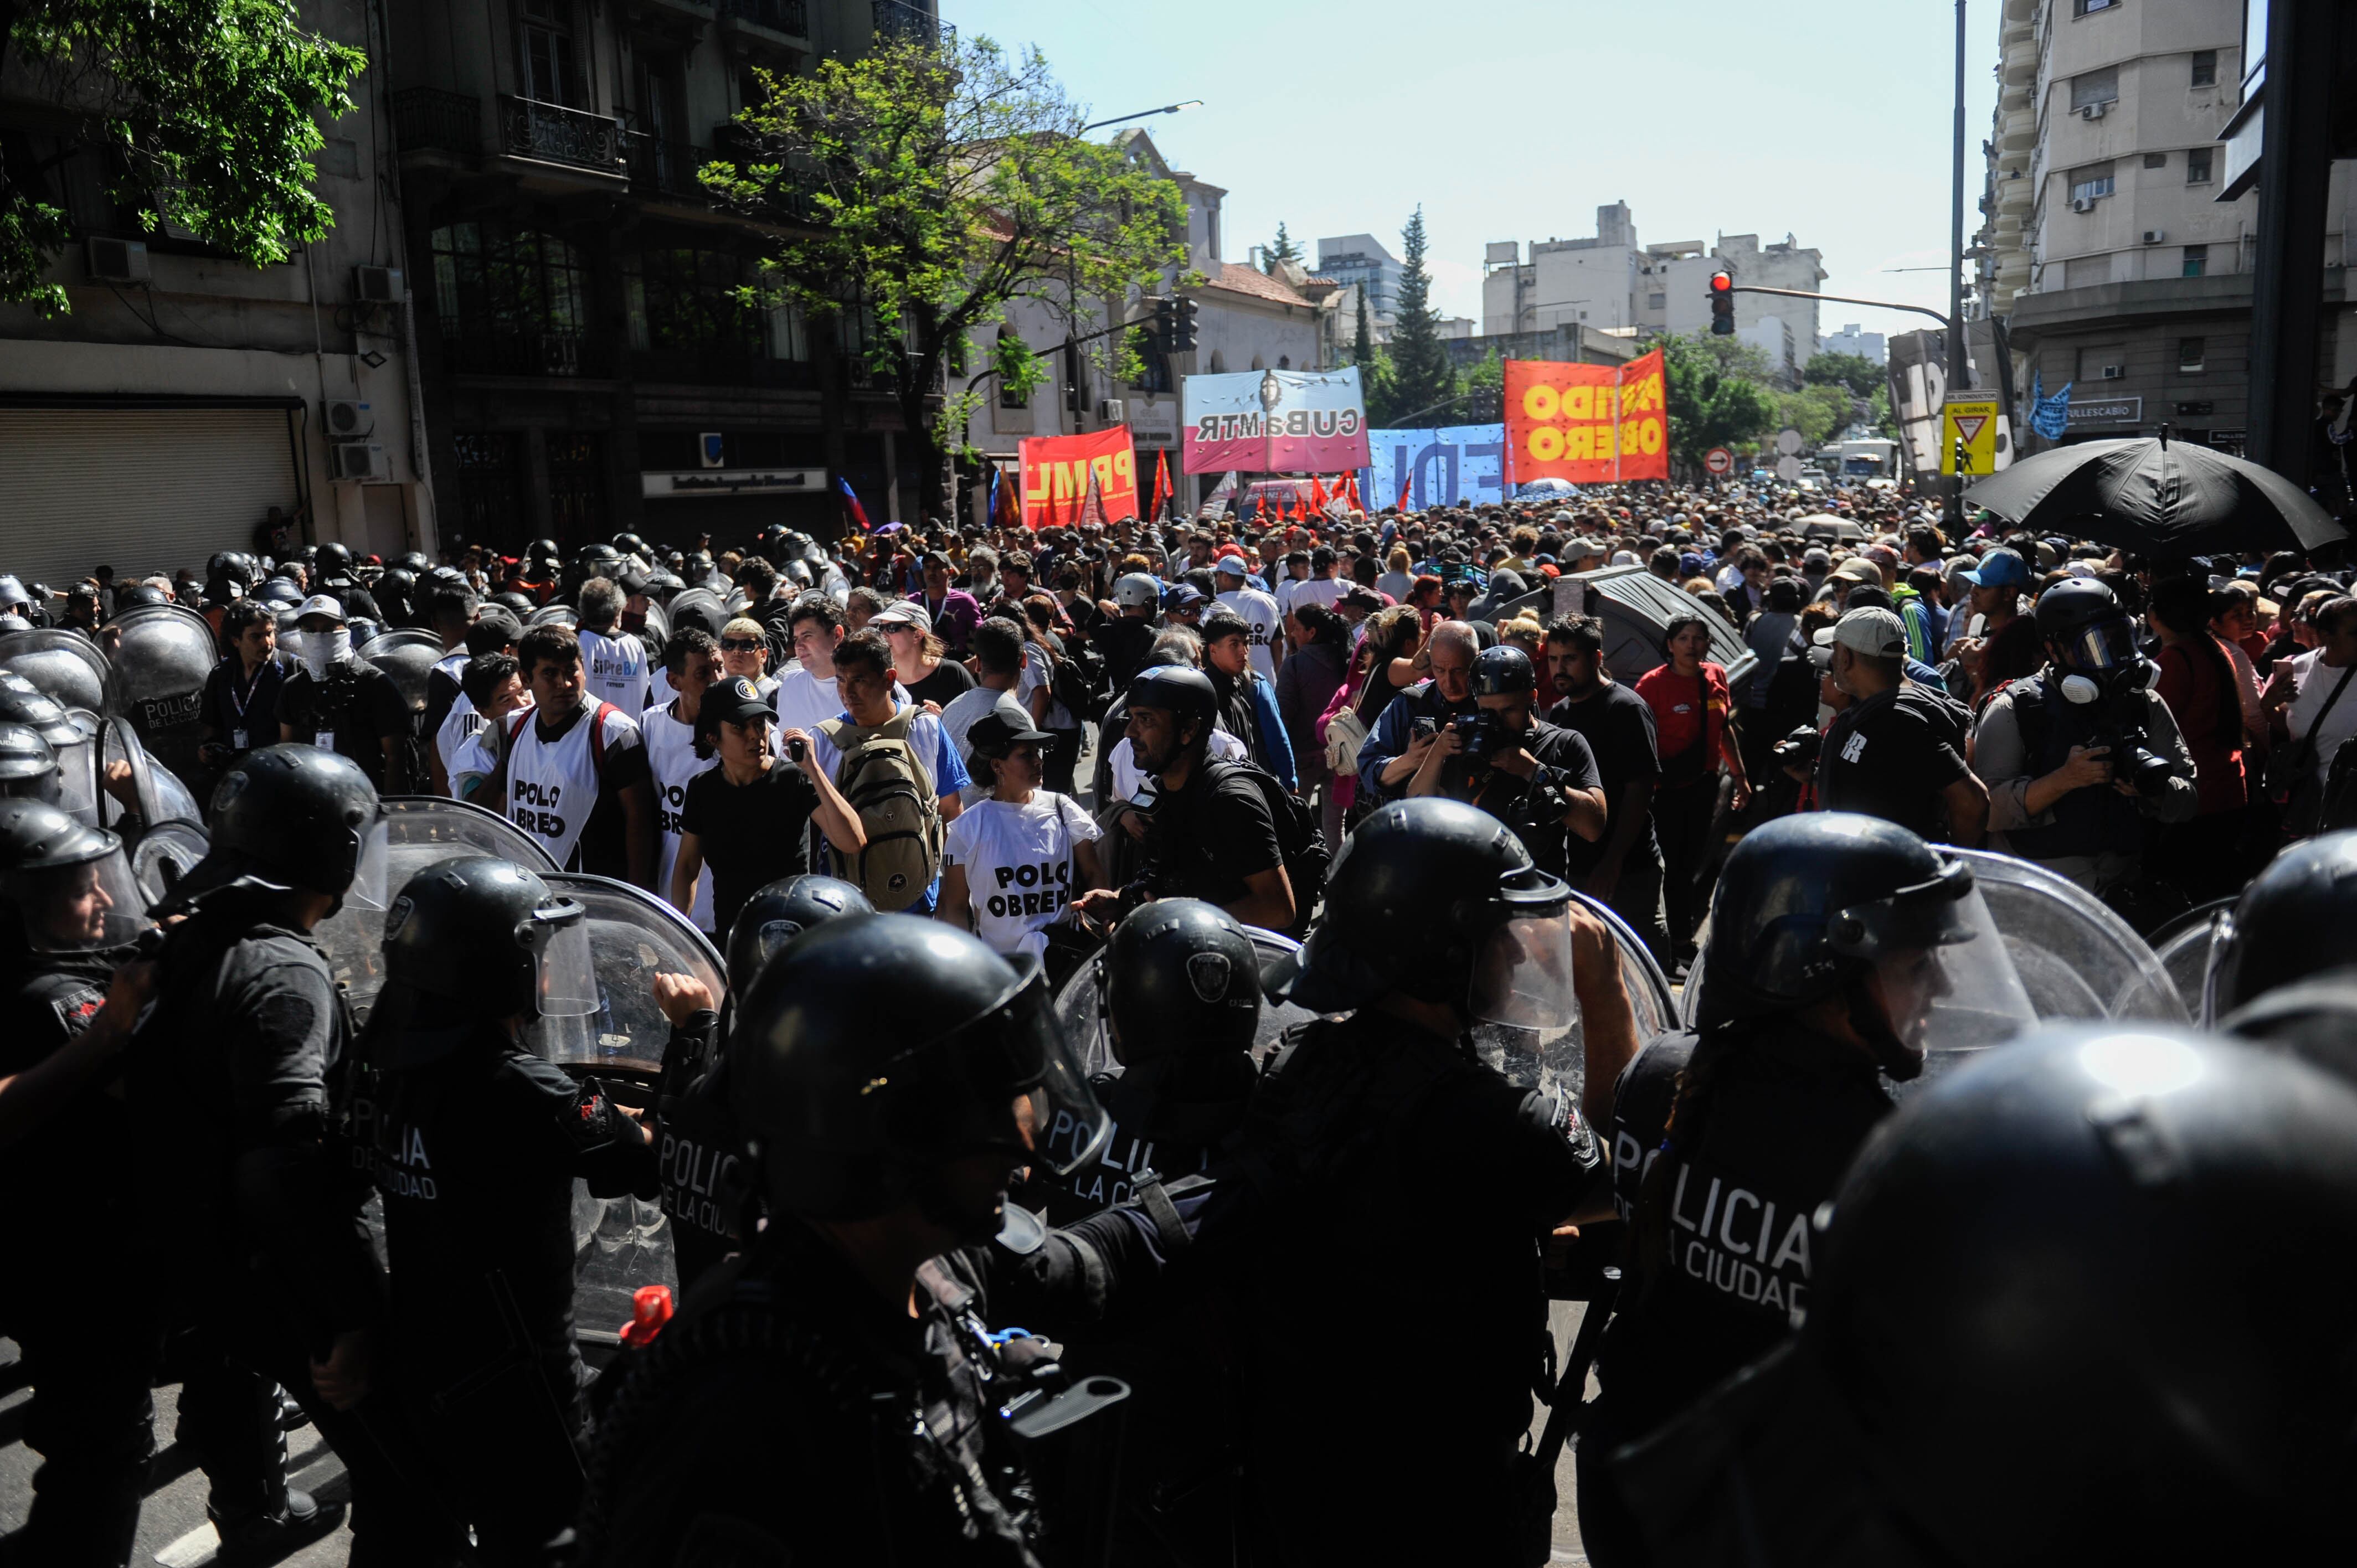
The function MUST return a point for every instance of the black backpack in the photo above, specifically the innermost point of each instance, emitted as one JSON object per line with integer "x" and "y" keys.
{"x": 1076, "y": 679}
{"x": 1300, "y": 839}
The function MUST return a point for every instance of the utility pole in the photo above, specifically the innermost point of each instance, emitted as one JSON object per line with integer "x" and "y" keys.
{"x": 1956, "y": 377}
{"x": 2287, "y": 285}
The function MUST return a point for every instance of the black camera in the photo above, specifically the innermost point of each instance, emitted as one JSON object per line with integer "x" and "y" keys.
{"x": 799, "y": 749}
{"x": 1800, "y": 748}
{"x": 2132, "y": 759}
{"x": 1484, "y": 734}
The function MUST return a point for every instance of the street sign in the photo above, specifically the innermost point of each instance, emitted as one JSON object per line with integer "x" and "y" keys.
{"x": 1968, "y": 434}
{"x": 1788, "y": 466}
{"x": 1719, "y": 460}
{"x": 1788, "y": 442}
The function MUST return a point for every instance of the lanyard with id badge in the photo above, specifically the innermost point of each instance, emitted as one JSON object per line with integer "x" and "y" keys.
{"x": 239, "y": 739}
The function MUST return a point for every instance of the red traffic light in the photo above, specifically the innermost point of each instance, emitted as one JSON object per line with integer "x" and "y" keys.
{"x": 1720, "y": 283}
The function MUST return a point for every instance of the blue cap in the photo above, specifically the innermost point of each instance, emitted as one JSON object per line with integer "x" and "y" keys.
{"x": 2000, "y": 568}
{"x": 1182, "y": 596}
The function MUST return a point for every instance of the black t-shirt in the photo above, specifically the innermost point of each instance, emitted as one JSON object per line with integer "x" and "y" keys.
{"x": 1890, "y": 756}
{"x": 232, "y": 703}
{"x": 949, "y": 679}
{"x": 1617, "y": 725}
{"x": 1124, "y": 641}
{"x": 1205, "y": 840}
{"x": 1507, "y": 797}
{"x": 358, "y": 704}
{"x": 751, "y": 835}
{"x": 1786, "y": 1112}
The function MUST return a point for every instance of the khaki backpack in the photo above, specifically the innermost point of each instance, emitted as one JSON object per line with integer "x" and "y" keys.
{"x": 891, "y": 790}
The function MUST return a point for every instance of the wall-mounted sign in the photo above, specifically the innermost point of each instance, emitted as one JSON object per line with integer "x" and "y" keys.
{"x": 2107, "y": 411}
{"x": 733, "y": 482}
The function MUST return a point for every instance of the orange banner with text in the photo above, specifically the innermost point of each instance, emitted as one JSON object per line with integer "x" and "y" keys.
{"x": 1057, "y": 470}
{"x": 1591, "y": 424}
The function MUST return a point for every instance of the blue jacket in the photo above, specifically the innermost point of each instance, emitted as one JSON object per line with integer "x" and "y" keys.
{"x": 1275, "y": 744}
{"x": 1395, "y": 729}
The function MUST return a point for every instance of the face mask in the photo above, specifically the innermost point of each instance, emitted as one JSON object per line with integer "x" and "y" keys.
{"x": 319, "y": 649}
{"x": 2080, "y": 689}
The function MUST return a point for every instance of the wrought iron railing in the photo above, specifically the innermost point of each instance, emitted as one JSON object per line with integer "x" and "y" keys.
{"x": 554, "y": 133}
{"x": 899, "y": 20}
{"x": 784, "y": 15}
{"x": 667, "y": 169}
{"x": 428, "y": 120}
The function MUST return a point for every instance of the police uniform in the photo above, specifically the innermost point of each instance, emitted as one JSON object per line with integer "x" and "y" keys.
{"x": 699, "y": 1150}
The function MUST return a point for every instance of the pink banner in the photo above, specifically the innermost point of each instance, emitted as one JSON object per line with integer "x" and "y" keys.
{"x": 1273, "y": 422}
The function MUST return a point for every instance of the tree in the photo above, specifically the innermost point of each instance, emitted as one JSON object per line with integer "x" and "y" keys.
{"x": 1420, "y": 361}
{"x": 1718, "y": 393}
{"x": 1860, "y": 374}
{"x": 1362, "y": 349}
{"x": 1483, "y": 387}
{"x": 1818, "y": 413}
{"x": 911, "y": 194}
{"x": 209, "y": 111}
{"x": 1281, "y": 249}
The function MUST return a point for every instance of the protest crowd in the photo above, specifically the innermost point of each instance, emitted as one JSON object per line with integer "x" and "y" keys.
{"x": 1269, "y": 956}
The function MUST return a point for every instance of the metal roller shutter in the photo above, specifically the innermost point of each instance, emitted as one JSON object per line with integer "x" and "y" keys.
{"x": 139, "y": 489}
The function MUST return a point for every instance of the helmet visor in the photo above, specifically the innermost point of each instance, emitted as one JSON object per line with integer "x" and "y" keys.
{"x": 82, "y": 907}
{"x": 1521, "y": 977}
{"x": 77, "y": 774}
{"x": 1957, "y": 993}
{"x": 2106, "y": 645}
{"x": 1013, "y": 1058}
{"x": 567, "y": 978}
{"x": 372, "y": 870}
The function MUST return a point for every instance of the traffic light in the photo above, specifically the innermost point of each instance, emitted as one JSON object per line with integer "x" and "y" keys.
{"x": 1183, "y": 332}
{"x": 1163, "y": 322}
{"x": 1722, "y": 304}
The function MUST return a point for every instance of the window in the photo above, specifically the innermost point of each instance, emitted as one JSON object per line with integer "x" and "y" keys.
{"x": 2189, "y": 355}
{"x": 2205, "y": 68}
{"x": 2095, "y": 86}
{"x": 683, "y": 300}
{"x": 1657, "y": 302}
{"x": 513, "y": 300}
{"x": 2197, "y": 165}
{"x": 491, "y": 490}
{"x": 2089, "y": 7}
{"x": 2156, "y": 160}
{"x": 548, "y": 71}
{"x": 2196, "y": 262}
{"x": 2105, "y": 363}
{"x": 2092, "y": 182}
{"x": 1007, "y": 396}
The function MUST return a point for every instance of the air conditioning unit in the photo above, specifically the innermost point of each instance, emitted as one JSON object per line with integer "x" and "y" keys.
{"x": 344, "y": 418}
{"x": 2095, "y": 111}
{"x": 379, "y": 286}
{"x": 1110, "y": 411}
{"x": 2082, "y": 204}
{"x": 2154, "y": 236}
{"x": 2113, "y": 372}
{"x": 117, "y": 261}
{"x": 362, "y": 460}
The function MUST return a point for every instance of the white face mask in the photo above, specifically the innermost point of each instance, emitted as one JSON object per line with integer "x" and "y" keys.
{"x": 319, "y": 649}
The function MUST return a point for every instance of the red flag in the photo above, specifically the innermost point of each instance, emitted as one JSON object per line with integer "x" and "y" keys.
{"x": 1006, "y": 508}
{"x": 1407, "y": 488}
{"x": 1161, "y": 484}
{"x": 1354, "y": 482}
{"x": 1316, "y": 493}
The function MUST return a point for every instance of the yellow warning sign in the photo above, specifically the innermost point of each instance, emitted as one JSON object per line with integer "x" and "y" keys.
{"x": 1968, "y": 436}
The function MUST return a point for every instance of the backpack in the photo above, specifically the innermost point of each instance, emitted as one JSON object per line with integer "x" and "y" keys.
{"x": 891, "y": 789}
{"x": 2337, "y": 809}
{"x": 1300, "y": 840}
{"x": 1077, "y": 681}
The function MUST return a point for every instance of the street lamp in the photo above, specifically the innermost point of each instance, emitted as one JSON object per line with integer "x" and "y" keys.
{"x": 1143, "y": 113}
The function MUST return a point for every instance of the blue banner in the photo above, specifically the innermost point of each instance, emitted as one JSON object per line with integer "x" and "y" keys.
{"x": 2048, "y": 415}
{"x": 1452, "y": 463}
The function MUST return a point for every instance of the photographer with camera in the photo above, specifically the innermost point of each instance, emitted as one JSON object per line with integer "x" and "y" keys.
{"x": 1538, "y": 779}
{"x": 2081, "y": 756}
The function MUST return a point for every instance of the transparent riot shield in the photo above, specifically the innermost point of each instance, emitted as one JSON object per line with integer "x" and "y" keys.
{"x": 164, "y": 853}
{"x": 409, "y": 657}
{"x": 657, "y": 631}
{"x": 633, "y": 936}
{"x": 421, "y": 830}
{"x": 162, "y": 654}
{"x": 2183, "y": 948}
{"x": 558, "y": 614}
{"x": 1555, "y": 1062}
{"x": 699, "y": 607}
{"x": 64, "y": 663}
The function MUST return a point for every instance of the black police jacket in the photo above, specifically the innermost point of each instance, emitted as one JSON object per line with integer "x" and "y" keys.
{"x": 1383, "y": 1236}
{"x": 231, "y": 1077}
{"x": 476, "y": 1142}
{"x": 699, "y": 1149}
{"x": 75, "y": 1160}
{"x": 1720, "y": 1219}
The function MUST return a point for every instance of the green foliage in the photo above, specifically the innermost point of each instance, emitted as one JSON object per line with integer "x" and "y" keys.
{"x": 1378, "y": 382}
{"x": 1281, "y": 249}
{"x": 1719, "y": 395}
{"x": 1878, "y": 413}
{"x": 1818, "y": 413}
{"x": 1856, "y": 372}
{"x": 209, "y": 108}
{"x": 1483, "y": 387}
{"x": 1420, "y": 363}
{"x": 930, "y": 188}
{"x": 1362, "y": 348}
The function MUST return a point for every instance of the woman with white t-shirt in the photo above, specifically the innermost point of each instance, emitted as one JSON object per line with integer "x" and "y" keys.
{"x": 2317, "y": 714}
{"x": 1016, "y": 861}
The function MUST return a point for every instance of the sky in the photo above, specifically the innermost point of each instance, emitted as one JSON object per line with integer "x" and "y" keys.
{"x": 1516, "y": 119}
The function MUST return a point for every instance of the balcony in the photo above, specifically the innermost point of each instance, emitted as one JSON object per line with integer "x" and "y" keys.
{"x": 551, "y": 132}
{"x": 715, "y": 366}
{"x": 896, "y": 21}
{"x": 428, "y": 120}
{"x": 789, "y": 17}
{"x": 666, "y": 170}
{"x": 508, "y": 352}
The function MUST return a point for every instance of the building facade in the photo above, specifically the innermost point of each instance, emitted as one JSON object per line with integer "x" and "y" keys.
{"x": 1359, "y": 260}
{"x": 1850, "y": 339}
{"x": 2107, "y": 247}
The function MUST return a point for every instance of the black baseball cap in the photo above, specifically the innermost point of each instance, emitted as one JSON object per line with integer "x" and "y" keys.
{"x": 994, "y": 733}
{"x": 733, "y": 700}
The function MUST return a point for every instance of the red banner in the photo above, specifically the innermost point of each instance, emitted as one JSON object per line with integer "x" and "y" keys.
{"x": 1591, "y": 424}
{"x": 1057, "y": 470}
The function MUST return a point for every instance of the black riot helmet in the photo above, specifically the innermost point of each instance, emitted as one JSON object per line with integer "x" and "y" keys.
{"x": 335, "y": 563}
{"x": 2085, "y": 629}
{"x": 22, "y": 703}
{"x": 517, "y": 605}
{"x": 1439, "y": 900}
{"x": 777, "y": 913}
{"x": 487, "y": 940}
{"x": 1812, "y": 906}
{"x": 29, "y": 766}
{"x": 1181, "y": 987}
{"x": 67, "y": 886}
{"x": 301, "y": 817}
{"x": 629, "y": 544}
{"x": 1504, "y": 672}
{"x": 2297, "y": 918}
{"x": 2038, "y": 1367}
{"x": 542, "y": 550}
{"x": 875, "y": 1050}
{"x": 414, "y": 561}
{"x": 139, "y": 594}
{"x": 1186, "y": 694}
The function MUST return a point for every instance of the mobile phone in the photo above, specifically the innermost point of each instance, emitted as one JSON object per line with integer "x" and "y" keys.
{"x": 1426, "y": 728}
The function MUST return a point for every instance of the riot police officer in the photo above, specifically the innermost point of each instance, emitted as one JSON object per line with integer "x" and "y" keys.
{"x": 828, "y": 1395}
{"x": 699, "y": 1148}
{"x": 252, "y": 1203}
{"x": 2282, "y": 961}
{"x": 477, "y": 1141}
{"x": 2014, "y": 1355}
{"x": 73, "y": 1295}
{"x": 1396, "y": 1162}
{"x": 1833, "y": 939}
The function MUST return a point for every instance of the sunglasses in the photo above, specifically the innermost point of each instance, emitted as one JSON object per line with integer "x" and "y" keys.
{"x": 742, "y": 644}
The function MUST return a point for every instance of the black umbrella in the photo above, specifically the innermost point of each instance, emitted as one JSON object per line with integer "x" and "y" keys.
{"x": 2156, "y": 496}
